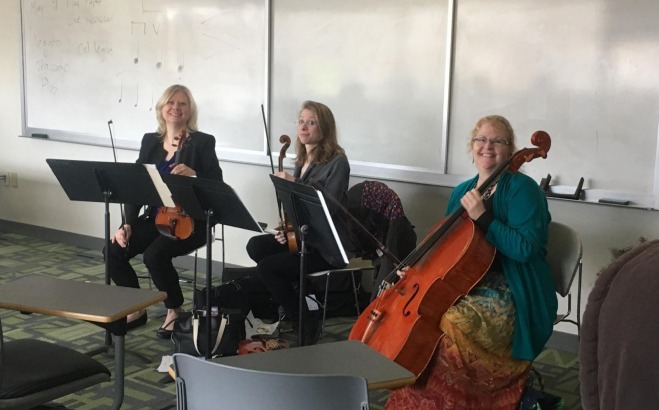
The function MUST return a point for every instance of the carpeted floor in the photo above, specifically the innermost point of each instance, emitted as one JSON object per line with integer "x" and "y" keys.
{"x": 145, "y": 388}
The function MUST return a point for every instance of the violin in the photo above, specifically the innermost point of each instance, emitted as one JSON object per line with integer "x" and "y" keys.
{"x": 174, "y": 222}
{"x": 285, "y": 225}
{"x": 403, "y": 322}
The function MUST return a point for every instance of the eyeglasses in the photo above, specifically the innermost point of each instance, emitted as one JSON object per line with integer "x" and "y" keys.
{"x": 308, "y": 123}
{"x": 497, "y": 142}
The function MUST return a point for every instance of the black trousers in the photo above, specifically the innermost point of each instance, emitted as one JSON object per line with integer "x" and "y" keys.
{"x": 157, "y": 251}
{"x": 278, "y": 269}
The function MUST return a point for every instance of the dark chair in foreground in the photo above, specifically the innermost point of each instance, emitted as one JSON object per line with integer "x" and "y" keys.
{"x": 34, "y": 372}
{"x": 202, "y": 384}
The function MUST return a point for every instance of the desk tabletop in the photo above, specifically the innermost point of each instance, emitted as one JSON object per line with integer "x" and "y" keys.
{"x": 92, "y": 302}
{"x": 348, "y": 357}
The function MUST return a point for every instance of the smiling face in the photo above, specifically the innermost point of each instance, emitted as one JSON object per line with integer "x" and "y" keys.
{"x": 176, "y": 111}
{"x": 308, "y": 129}
{"x": 487, "y": 147}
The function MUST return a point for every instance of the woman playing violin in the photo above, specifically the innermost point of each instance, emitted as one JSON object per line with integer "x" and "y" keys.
{"x": 321, "y": 160}
{"x": 492, "y": 334}
{"x": 176, "y": 113}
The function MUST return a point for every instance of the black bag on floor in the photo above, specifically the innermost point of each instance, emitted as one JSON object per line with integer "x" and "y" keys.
{"x": 227, "y": 330}
{"x": 259, "y": 299}
{"x": 229, "y": 295}
{"x": 229, "y": 308}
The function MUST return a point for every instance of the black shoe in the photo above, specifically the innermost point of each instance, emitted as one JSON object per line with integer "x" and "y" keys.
{"x": 140, "y": 321}
{"x": 163, "y": 333}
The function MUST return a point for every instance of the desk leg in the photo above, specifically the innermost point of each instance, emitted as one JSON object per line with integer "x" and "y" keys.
{"x": 118, "y": 371}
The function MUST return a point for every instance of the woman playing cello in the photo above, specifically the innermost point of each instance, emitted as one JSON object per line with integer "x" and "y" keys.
{"x": 492, "y": 334}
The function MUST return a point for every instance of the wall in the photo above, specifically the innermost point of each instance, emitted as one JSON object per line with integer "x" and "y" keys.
{"x": 39, "y": 200}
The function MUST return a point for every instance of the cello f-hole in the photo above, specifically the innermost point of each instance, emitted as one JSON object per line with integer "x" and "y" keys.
{"x": 406, "y": 311}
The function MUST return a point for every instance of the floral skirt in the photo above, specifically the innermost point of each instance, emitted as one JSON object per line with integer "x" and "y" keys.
{"x": 472, "y": 368}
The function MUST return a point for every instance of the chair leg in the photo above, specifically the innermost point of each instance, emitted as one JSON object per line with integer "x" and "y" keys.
{"x": 148, "y": 278}
{"x": 192, "y": 281}
{"x": 579, "y": 303}
{"x": 324, "y": 306}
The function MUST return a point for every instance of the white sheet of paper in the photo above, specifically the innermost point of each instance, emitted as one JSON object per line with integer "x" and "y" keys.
{"x": 165, "y": 363}
{"x": 162, "y": 188}
{"x": 258, "y": 327}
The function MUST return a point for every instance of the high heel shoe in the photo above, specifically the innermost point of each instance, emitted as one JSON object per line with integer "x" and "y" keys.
{"x": 164, "y": 333}
{"x": 140, "y": 321}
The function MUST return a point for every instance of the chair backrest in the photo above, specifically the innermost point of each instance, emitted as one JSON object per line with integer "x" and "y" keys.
{"x": 34, "y": 372}
{"x": 564, "y": 251}
{"x": 202, "y": 384}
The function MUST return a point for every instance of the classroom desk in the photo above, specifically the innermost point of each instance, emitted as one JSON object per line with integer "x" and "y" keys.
{"x": 348, "y": 357}
{"x": 104, "y": 305}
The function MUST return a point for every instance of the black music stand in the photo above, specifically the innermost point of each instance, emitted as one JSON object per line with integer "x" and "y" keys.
{"x": 216, "y": 203}
{"x": 106, "y": 182}
{"x": 314, "y": 226}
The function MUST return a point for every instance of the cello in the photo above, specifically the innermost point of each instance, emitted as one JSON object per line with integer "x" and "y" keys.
{"x": 403, "y": 322}
{"x": 174, "y": 222}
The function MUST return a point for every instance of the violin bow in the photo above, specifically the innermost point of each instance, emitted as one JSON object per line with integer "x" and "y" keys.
{"x": 114, "y": 153}
{"x": 272, "y": 164}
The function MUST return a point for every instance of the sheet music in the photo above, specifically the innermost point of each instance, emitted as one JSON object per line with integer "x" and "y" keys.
{"x": 162, "y": 188}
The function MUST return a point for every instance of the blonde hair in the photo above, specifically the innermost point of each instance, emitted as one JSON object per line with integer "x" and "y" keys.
{"x": 166, "y": 96}
{"x": 496, "y": 121}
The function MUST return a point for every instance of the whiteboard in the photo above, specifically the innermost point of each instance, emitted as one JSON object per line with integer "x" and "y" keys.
{"x": 378, "y": 64}
{"x": 585, "y": 72}
{"x": 86, "y": 62}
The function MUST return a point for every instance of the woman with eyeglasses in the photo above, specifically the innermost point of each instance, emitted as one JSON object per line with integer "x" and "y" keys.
{"x": 320, "y": 160}
{"x": 492, "y": 335}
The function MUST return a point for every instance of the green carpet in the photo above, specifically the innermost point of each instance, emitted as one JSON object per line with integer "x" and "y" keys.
{"x": 145, "y": 388}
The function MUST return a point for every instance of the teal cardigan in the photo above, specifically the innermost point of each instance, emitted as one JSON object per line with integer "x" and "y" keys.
{"x": 519, "y": 233}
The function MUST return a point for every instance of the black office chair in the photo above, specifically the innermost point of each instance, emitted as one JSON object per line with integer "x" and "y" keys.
{"x": 34, "y": 372}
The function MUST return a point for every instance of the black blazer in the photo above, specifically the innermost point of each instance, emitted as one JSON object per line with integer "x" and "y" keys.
{"x": 198, "y": 153}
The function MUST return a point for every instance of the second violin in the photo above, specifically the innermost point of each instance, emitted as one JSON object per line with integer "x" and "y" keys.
{"x": 285, "y": 225}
